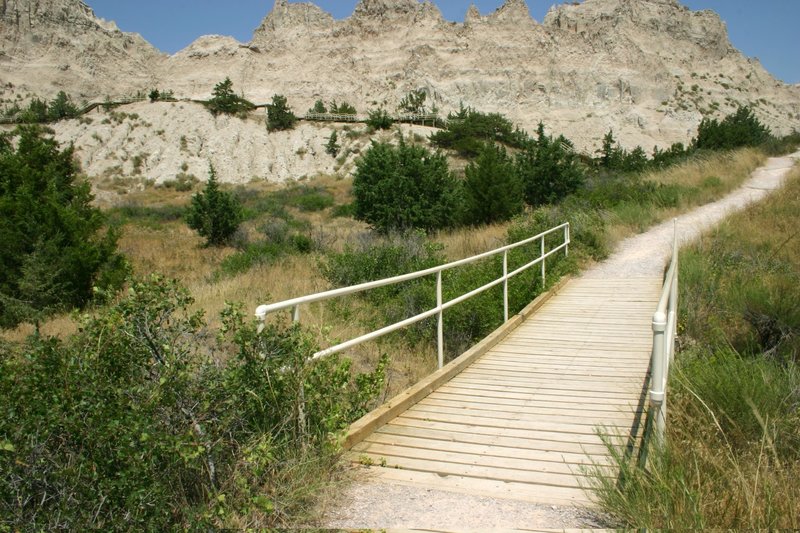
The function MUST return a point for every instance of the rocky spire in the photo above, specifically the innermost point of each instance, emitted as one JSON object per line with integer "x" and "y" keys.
{"x": 473, "y": 15}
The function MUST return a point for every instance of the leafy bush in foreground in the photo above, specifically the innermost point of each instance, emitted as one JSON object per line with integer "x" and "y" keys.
{"x": 134, "y": 423}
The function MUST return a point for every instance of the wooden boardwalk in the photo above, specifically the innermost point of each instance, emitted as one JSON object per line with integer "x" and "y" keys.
{"x": 520, "y": 420}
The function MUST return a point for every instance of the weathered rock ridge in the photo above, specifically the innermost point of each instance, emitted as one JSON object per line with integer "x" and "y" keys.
{"x": 649, "y": 69}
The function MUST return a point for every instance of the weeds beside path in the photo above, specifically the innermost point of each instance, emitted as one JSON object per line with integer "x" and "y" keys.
{"x": 645, "y": 254}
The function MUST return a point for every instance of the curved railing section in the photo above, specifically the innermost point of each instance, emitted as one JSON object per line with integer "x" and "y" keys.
{"x": 263, "y": 310}
{"x": 665, "y": 321}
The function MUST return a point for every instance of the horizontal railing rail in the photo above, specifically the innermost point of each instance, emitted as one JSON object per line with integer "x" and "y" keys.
{"x": 263, "y": 310}
{"x": 665, "y": 320}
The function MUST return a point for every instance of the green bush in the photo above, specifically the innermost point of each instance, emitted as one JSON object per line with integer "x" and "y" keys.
{"x": 379, "y": 119}
{"x": 319, "y": 107}
{"x": 492, "y": 188}
{"x": 151, "y": 427}
{"x": 413, "y": 102}
{"x": 342, "y": 109}
{"x": 279, "y": 114}
{"x": 224, "y": 100}
{"x": 214, "y": 214}
{"x": 549, "y": 169}
{"x": 403, "y": 187}
{"x": 53, "y": 250}
{"x": 332, "y": 146}
{"x": 468, "y": 130}
{"x": 741, "y": 128}
{"x": 380, "y": 258}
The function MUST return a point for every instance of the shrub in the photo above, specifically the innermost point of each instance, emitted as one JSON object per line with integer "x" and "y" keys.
{"x": 52, "y": 250}
{"x": 741, "y": 128}
{"x": 342, "y": 109}
{"x": 153, "y": 427}
{"x": 214, "y": 214}
{"x": 279, "y": 114}
{"x": 332, "y": 146}
{"x": 224, "y": 100}
{"x": 319, "y": 107}
{"x": 61, "y": 108}
{"x": 549, "y": 169}
{"x": 468, "y": 130}
{"x": 379, "y": 119}
{"x": 403, "y": 187}
{"x": 492, "y": 188}
{"x": 414, "y": 102}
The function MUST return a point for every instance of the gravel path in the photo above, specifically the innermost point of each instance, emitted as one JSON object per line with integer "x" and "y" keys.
{"x": 370, "y": 504}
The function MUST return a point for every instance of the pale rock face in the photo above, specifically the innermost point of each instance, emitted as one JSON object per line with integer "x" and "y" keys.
{"x": 48, "y": 45}
{"x": 648, "y": 69}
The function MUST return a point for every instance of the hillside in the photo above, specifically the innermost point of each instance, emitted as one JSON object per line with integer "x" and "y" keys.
{"x": 649, "y": 69}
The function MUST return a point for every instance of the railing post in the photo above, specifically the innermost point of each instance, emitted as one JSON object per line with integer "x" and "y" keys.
{"x": 657, "y": 367}
{"x": 566, "y": 240}
{"x": 440, "y": 325}
{"x": 505, "y": 286}
{"x": 544, "y": 284}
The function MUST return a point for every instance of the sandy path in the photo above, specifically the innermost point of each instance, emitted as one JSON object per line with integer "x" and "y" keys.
{"x": 369, "y": 504}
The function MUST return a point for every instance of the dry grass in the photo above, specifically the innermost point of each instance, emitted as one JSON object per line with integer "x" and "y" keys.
{"x": 713, "y": 174}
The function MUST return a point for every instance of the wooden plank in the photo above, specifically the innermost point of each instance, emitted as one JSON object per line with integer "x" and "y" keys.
{"x": 565, "y": 364}
{"x": 553, "y": 479}
{"x": 482, "y": 487}
{"x": 523, "y": 418}
{"x": 362, "y": 427}
{"x": 395, "y": 453}
{"x": 571, "y": 406}
{"x": 565, "y": 429}
{"x": 539, "y": 369}
{"x": 473, "y": 406}
{"x": 540, "y": 440}
{"x": 539, "y": 392}
{"x": 553, "y": 398}
{"x": 566, "y": 385}
{"x": 571, "y": 450}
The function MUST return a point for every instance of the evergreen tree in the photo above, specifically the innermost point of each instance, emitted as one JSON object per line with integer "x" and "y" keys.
{"x": 214, "y": 214}
{"x": 332, "y": 147}
{"x": 319, "y": 107}
{"x": 404, "y": 187}
{"x": 379, "y": 119}
{"x": 61, "y": 107}
{"x": 224, "y": 100}
{"x": 492, "y": 189}
{"x": 611, "y": 156}
{"x": 279, "y": 114}
{"x": 741, "y": 128}
{"x": 52, "y": 249}
{"x": 549, "y": 169}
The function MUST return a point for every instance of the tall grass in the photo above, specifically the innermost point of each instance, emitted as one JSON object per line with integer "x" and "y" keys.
{"x": 731, "y": 457}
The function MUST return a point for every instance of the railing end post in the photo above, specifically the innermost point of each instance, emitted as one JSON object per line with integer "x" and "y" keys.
{"x": 659, "y": 322}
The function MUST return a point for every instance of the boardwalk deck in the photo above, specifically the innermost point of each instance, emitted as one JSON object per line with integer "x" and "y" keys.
{"x": 520, "y": 421}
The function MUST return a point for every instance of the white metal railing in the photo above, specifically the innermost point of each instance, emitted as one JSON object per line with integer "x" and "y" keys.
{"x": 665, "y": 321}
{"x": 263, "y": 310}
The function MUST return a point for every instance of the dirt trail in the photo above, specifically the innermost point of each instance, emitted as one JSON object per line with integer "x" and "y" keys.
{"x": 369, "y": 504}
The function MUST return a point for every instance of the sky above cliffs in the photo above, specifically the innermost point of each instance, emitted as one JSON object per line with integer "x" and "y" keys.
{"x": 766, "y": 29}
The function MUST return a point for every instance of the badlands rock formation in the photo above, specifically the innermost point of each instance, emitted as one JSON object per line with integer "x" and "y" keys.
{"x": 649, "y": 69}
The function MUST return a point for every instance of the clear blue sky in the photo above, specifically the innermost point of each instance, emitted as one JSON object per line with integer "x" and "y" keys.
{"x": 767, "y": 29}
